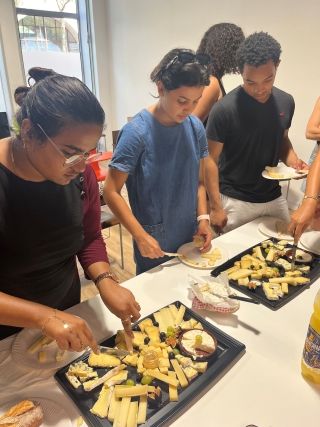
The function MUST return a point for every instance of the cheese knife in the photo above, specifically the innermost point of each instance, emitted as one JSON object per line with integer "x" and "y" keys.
{"x": 114, "y": 351}
{"x": 293, "y": 254}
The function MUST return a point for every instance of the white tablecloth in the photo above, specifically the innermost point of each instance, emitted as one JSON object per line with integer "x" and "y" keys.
{"x": 264, "y": 387}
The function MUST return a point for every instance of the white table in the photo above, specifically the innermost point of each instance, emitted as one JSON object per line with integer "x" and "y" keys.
{"x": 264, "y": 387}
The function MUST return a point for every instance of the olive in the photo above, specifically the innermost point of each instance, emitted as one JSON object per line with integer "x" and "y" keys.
{"x": 146, "y": 340}
{"x": 154, "y": 399}
{"x": 171, "y": 355}
{"x": 139, "y": 378}
{"x": 155, "y": 383}
{"x": 130, "y": 382}
{"x": 163, "y": 336}
{"x": 155, "y": 323}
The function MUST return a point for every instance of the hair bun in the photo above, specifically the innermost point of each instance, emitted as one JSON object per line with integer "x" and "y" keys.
{"x": 20, "y": 93}
{"x": 38, "y": 73}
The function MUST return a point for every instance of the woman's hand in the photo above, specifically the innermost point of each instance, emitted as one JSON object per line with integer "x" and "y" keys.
{"x": 120, "y": 301}
{"x": 149, "y": 246}
{"x": 205, "y": 231}
{"x": 70, "y": 332}
{"x": 302, "y": 217}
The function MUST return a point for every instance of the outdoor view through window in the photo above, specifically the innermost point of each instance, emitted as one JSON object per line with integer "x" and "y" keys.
{"x": 49, "y": 35}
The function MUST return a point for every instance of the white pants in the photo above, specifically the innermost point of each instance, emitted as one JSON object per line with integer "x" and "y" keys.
{"x": 240, "y": 212}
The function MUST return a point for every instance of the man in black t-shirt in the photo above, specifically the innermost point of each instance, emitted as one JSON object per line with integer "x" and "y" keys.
{"x": 248, "y": 130}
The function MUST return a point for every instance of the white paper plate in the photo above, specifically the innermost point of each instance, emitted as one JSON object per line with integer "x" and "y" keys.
{"x": 193, "y": 256}
{"x": 311, "y": 241}
{"x": 53, "y": 413}
{"x": 286, "y": 173}
{"x": 21, "y": 356}
{"x": 270, "y": 228}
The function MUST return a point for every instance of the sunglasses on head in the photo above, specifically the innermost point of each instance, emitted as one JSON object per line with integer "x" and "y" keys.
{"x": 189, "y": 58}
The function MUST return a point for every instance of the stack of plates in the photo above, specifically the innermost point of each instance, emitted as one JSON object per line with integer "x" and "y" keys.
{"x": 274, "y": 227}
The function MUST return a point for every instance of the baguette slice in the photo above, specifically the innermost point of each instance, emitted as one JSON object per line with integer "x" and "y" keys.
{"x": 25, "y": 414}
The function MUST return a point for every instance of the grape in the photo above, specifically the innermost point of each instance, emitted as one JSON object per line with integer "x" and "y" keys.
{"x": 146, "y": 380}
{"x": 170, "y": 330}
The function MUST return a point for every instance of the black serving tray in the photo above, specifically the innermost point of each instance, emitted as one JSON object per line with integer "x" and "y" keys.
{"x": 228, "y": 352}
{"x": 259, "y": 294}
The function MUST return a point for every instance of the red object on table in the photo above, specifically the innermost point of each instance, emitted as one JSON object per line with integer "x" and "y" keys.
{"x": 101, "y": 173}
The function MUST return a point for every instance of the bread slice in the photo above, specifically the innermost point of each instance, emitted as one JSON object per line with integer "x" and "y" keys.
{"x": 24, "y": 414}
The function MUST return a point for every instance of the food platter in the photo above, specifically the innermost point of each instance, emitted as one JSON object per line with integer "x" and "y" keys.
{"x": 227, "y": 352}
{"x": 311, "y": 241}
{"x": 192, "y": 257}
{"x": 274, "y": 227}
{"x": 283, "y": 173}
{"x": 296, "y": 286}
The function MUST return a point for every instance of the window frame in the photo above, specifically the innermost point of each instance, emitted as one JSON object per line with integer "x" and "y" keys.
{"x": 82, "y": 15}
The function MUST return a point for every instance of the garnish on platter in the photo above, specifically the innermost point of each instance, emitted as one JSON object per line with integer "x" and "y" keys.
{"x": 197, "y": 344}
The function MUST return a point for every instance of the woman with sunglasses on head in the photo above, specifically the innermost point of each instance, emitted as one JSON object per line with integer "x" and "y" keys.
{"x": 50, "y": 213}
{"x": 160, "y": 156}
{"x": 220, "y": 42}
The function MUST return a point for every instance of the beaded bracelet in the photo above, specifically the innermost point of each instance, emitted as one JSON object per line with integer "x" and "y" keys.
{"x": 47, "y": 320}
{"x": 105, "y": 275}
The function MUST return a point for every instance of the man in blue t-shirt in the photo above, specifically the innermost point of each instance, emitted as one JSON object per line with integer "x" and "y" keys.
{"x": 248, "y": 130}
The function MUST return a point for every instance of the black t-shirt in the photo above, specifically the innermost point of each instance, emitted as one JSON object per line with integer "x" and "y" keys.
{"x": 40, "y": 233}
{"x": 252, "y": 136}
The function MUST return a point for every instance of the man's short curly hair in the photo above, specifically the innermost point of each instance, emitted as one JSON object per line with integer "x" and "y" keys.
{"x": 221, "y": 42}
{"x": 257, "y": 49}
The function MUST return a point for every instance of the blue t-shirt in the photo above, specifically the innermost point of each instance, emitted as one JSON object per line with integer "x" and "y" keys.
{"x": 163, "y": 166}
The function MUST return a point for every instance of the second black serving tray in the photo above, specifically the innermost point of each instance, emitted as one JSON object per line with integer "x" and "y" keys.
{"x": 259, "y": 294}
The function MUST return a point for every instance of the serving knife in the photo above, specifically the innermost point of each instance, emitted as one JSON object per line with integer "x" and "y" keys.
{"x": 115, "y": 351}
{"x": 238, "y": 297}
{"x": 172, "y": 254}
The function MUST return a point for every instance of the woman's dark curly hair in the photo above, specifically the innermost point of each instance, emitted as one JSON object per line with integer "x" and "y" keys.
{"x": 258, "y": 49}
{"x": 179, "y": 74}
{"x": 221, "y": 42}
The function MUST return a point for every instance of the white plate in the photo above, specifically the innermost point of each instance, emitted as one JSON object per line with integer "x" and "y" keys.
{"x": 286, "y": 173}
{"x": 311, "y": 241}
{"x": 193, "y": 254}
{"x": 53, "y": 413}
{"x": 21, "y": 356}
{"x": 270, "y": 228}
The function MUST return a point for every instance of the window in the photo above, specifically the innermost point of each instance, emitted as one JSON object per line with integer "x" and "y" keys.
{"x": 52, "y": 35}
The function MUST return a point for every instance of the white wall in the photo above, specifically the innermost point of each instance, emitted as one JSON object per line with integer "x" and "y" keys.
{"x": 142, "y": 31}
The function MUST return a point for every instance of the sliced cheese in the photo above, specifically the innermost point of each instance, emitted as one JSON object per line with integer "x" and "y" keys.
{"x": 173, "y": 391}
{"x": 180, "y": 374}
